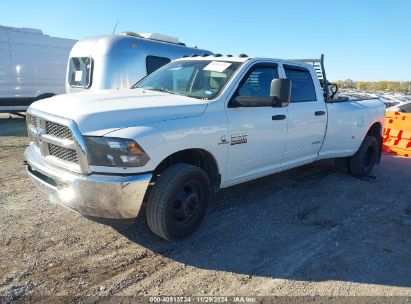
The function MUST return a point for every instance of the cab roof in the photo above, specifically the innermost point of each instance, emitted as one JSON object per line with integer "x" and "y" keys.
{"x": 241, "y": 58}
{"x": 217, "y": 57}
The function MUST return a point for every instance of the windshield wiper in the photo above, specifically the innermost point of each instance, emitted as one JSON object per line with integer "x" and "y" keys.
{"x": 161, "y": 90}
{"x": 164, "y": 90}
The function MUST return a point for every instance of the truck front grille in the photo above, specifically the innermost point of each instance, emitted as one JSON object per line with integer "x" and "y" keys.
{"x": 36, "y": 142}
{"x": 55, "y": 136}
{"x": 34, "y": 121}
{"x": 58, "y": 130}
{"x": 66, "y": 154}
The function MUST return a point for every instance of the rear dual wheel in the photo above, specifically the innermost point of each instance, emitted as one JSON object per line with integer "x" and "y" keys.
{"x": 362, "y": 162}
{"x": 365, "y": 158}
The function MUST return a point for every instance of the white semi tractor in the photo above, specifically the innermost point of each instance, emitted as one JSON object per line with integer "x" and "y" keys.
{"x": 120, "y": 60}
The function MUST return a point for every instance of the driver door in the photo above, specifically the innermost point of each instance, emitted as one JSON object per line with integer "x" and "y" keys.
{"x": 257, "y": 135}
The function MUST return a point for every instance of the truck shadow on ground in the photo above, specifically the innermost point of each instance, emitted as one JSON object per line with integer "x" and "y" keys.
{"x": 309, "y": 224}
{"x": 12, "y": 126}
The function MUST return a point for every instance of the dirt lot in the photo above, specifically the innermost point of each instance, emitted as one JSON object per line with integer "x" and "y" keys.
{"x": 307, "y": 231}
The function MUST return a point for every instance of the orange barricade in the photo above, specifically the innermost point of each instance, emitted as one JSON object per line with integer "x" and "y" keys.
{"x": 397, "y": 133}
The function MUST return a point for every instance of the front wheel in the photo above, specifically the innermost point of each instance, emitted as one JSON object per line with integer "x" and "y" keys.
{"x": 178, "y": 201}
{"x": 365, "y": 158}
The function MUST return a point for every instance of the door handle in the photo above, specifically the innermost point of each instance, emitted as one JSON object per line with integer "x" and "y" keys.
{"x": 279, "y": 117}
{"x": 319, "y": 113}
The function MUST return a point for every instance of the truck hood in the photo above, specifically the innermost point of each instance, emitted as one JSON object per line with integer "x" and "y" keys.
{"x": 100, "y": 112}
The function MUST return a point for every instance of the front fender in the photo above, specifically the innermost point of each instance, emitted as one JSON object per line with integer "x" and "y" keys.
{"x": 162, "y": 139}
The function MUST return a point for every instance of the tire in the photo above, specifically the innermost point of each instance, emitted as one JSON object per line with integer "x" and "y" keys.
{"x": 178, "y": 201}
{"x": 365, "y": 158}
{"x": 342, "y": 164}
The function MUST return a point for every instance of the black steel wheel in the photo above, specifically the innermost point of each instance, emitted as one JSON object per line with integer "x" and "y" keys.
{"x": 178, "y": 201}
{"x": 365, "y": 158}
{"x": 187, "y": 202}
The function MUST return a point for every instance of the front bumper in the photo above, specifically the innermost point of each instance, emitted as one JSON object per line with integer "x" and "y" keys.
{"x": 95, "y": 195}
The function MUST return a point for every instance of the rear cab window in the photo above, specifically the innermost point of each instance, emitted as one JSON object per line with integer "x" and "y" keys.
{"x": 302, "y": 85}
{"x": 80, "y": 72}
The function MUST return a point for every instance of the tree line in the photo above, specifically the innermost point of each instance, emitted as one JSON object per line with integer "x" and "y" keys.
{"x": 392, "y": 86}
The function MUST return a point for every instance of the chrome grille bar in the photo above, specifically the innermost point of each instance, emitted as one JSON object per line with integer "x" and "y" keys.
{"x": 58, "y": 139}
{"x": 65, "y": 143}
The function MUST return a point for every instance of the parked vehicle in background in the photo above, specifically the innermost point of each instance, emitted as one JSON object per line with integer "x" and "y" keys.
{"x": 188, "y": 129}
{"x": 402, "y": 108}
{"x": 120, "y": 60}
{"x": 390, "y": 99}
{"x": 394, "y": 99}
{"x": 32, "y": 67}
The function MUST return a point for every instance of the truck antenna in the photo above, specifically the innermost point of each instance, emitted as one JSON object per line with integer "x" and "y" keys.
{"x": 115, "y": 26}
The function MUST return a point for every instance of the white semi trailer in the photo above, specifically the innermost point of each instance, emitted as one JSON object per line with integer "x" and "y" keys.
{"x": 32, "y": 67}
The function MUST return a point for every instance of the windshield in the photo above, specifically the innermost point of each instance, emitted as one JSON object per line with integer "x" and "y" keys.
{"x": 201, "y": 79}
{"x": 80, "y": 70}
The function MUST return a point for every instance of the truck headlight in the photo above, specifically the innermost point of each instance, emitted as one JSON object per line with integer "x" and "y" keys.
{"x": 114, "y": 152}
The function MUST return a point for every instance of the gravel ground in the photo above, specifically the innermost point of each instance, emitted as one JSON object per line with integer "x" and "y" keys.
{"x": 309, "y": 231}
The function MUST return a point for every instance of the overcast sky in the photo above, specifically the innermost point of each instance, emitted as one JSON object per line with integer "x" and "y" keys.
{"x": 361, "y": 40}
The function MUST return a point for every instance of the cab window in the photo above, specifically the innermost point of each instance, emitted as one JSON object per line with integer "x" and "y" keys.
{"x": 80, "y": 71}
{"x": 258, "y": 82}
{"x": 302, "y": 87}
{"x": 154, "y": 63}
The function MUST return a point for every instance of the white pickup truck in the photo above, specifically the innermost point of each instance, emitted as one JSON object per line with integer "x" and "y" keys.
{"x": 194, "y": 126}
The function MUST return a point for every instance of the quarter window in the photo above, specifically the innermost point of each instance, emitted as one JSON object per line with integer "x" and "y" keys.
{"x": 154, "y": 63}
{"x": 302, "y": 86}
{"x": 258, "y": 82}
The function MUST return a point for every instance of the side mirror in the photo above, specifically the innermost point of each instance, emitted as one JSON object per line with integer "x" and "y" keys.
{"x": 280, "y": 95}
{"x": 281, "y": 91}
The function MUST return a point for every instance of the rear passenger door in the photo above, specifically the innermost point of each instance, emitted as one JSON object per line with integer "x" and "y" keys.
{"x": 307, "y": 117}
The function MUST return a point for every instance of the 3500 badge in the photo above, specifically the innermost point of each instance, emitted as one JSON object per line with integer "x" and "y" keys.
{"x": 238, "y": 138}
